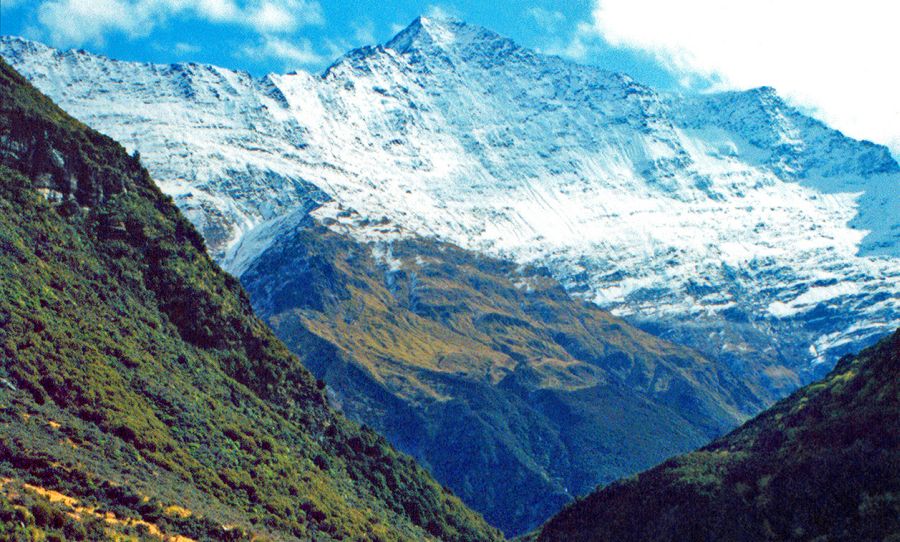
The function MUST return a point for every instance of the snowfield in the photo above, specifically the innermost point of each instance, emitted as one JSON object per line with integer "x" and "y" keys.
{"x": 730, "y": 222}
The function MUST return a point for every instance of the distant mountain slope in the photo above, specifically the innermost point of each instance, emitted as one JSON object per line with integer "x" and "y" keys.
{"x": 513, "y": 394}
{"x": 824, "y": 464}
{"x": 139, "y": 393}
{"x": 730, "y": 223}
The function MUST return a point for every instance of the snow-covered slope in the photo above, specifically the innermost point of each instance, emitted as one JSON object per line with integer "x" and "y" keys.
{"x": 729, "y": 222}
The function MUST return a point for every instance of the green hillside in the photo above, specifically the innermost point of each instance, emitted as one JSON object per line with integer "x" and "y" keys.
{"x": 513, "y": 393}
{"x": 139, "y": 396}
{"x": 823, "y": 464}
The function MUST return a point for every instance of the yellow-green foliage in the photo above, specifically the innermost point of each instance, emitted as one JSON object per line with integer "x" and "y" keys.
{"x": 516, "y": 395}
{"x": 135, "y": 375}
{"x": 819, "y": 465}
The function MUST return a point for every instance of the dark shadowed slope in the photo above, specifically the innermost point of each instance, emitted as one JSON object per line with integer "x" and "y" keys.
{"x": 823, "y": 464}
{"x": 135, "y": 380}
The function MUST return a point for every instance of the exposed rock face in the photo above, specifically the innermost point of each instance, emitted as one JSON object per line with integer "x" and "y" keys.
{"x": 59, "y": 174}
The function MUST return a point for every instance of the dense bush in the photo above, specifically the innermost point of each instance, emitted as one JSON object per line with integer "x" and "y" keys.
{"x": 136, "y": 377}
{"x": 823, "y": 464}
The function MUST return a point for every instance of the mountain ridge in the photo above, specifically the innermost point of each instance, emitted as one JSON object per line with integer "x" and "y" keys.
{"x": 512, "y": 393}
{"x": 380, "y": 122}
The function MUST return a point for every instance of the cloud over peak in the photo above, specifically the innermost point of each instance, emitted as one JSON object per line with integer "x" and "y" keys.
{"x": 78, "y": 22}
{"x": 835, "y": 57}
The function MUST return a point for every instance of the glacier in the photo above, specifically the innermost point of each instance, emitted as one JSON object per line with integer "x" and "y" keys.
{"x": 729, "y": 222}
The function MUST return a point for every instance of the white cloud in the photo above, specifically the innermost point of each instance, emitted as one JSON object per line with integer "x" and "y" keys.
{"x": 364, "y": 32}
{"x": 438, "y": 11}
{"x": 548, "y": 20}
{"x": 293, "y": 54}
{"x": 579, "y": 46}
{"x": 183, "y": 48}
{"x": 283, "y": 15}
{"x": 218, "y": 10}
{"x": 837, "y": 57}
{"x": 76, "y": 22}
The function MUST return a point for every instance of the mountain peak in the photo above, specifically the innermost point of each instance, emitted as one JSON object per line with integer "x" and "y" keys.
{"x": 426, "y": 33}
{"x": 433, "y": 37}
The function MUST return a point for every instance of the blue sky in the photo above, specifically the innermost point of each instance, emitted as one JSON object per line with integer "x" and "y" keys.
{"x": 309, "y": 35}
{"x": 834, "y": 58}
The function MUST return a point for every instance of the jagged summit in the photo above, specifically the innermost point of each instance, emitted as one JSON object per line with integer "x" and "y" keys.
{"x": 441, "y": 44}
{"x": 18, "y": 45}
{"x": 423, "y": 33}
{"x": 426, "y": 33}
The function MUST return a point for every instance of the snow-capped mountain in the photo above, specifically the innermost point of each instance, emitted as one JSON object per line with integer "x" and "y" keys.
{"x": 729, "y": 222}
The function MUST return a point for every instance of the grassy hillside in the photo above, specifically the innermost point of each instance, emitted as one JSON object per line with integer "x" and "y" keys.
{"x": 515, "y": 395}
{"x": 139, "y": 395}
{"x": 823, "y": 464}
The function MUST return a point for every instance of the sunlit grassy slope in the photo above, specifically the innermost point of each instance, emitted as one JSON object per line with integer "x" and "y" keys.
{"x": 136, "y": 381}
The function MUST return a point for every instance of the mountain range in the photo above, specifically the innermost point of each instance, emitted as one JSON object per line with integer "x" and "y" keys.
{"x": 439, "y": 226}
{"x": 728, "y": 222}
